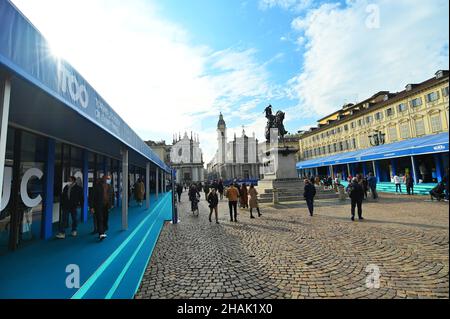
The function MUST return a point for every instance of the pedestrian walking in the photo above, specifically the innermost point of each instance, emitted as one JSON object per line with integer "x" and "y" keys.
{"x": 372, "y": 182}
{"x": 194, "y": 196}
{"x": 101, "y": 204}
{"x": 309, "y": 194}
{"x": 139, "y": 192}
{"x": 409, "y": 181}
{"x": 365, "y": 185}
{"x": 213, "y": 201}
{"x": 71, "y": 199}
{"x": 398, "y": 183}
{"x": 206, "y": 190}
{"x": 232, "y": 194}
{"x": 220, "y": 188}
{"x": 243, "y": 196}
{"x": 253, "y": 193}
{"x": 179, "y": 192}
{"x": 356, "y": 195}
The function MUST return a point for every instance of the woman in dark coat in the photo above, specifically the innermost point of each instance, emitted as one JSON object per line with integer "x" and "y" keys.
{"x": 243, "y": 196}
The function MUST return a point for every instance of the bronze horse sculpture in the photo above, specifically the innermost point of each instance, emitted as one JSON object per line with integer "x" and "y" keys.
{"x": 274, "y": 121}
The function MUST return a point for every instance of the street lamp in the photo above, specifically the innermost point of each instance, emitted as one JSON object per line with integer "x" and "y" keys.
{"x": 377, "y": 138}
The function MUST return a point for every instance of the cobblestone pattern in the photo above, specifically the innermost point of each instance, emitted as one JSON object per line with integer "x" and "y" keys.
{"x": 287, "y": 254}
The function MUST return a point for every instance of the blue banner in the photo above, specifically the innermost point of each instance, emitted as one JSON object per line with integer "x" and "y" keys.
{"x": 26, "y": 52}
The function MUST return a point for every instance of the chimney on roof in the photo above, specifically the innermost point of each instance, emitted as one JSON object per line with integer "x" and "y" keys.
{"x": 439, "y": 74}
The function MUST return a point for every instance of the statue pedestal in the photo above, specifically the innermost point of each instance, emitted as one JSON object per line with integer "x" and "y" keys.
{"x": 280, "y": 173}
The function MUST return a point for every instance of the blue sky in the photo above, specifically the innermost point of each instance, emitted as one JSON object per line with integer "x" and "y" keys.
{"x": 171, "y": 66}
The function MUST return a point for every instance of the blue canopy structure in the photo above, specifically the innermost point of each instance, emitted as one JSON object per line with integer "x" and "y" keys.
{"x": 438, "y": 143}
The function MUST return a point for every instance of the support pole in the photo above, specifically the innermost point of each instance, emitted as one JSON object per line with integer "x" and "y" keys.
{"x": 5, "y": 94}
{"x": 414, "y": 171}
{"x": 437, "y": 162}
{"x": 125, "y": 189}
{"x": 47, "y": 219}
{"x": 394, "y": 167}
{"x": 174, "y": 200}
{"x": 84, "y": 209}
{"x": 147, "y": 186}
{"x": 157, "y": 182}
{"x": 376, "y": 166}
{"x": 374, "y": 170}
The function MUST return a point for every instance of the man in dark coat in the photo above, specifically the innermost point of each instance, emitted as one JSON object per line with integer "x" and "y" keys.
{"x": 179, "y": 192}
{"x": 438, "y": 191}
{"x": 356, "y": 194}
{"x": 71, "y": 199}
{"x": 220, "y": 188}
{"x": 372, "y": 182}
{"x": 409, "y": 181}
{"x": 101, "y": 203}
{"x": 309, "y": 194}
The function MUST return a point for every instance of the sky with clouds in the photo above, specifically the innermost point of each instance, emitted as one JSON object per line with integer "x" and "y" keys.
{"x": 171, "y": 66}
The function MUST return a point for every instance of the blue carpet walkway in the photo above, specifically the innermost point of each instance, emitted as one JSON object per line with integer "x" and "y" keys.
{"x": 112, "y": 268}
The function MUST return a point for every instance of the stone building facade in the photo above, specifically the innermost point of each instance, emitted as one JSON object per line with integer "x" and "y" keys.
{"x": 237, "y": 159}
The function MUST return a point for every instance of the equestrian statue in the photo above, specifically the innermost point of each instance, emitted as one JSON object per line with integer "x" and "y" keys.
{"x": 274, "y": 121}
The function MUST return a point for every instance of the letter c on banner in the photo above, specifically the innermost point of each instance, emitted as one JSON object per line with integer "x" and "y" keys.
{"x": 7, "y": 178}
{"x": 30, "y": 202}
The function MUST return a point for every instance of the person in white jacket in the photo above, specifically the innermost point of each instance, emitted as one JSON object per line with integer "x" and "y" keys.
{"x": 397, "y": 182}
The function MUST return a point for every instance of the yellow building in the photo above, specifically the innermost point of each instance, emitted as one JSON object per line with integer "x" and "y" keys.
{"x": 385, "y": 118}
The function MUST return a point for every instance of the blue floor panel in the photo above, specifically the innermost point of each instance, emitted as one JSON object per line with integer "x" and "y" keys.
{"x": 38, "y": 270}
{"x": 132, "y": 278}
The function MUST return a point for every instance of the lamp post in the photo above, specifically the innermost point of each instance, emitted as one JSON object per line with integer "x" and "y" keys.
{"x": 377, "y": 138}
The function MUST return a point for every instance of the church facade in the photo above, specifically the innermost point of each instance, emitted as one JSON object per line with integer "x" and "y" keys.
{"x": 237, "y": 159}
{"x": 186, "y": 157}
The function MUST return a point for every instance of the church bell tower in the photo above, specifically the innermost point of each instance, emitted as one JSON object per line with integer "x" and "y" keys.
{"x": 221, "y": 139}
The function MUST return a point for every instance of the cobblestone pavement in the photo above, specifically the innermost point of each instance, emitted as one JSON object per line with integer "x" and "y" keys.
{"x": 288, "y": 254}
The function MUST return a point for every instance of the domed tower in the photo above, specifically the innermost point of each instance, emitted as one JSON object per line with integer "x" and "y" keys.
{"x": 221, "y": 139}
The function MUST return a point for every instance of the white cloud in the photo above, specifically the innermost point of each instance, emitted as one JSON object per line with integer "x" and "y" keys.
{"x": 146, "y": 67}
{"x": 344, "y": 59}
{"x": 295, "y": 5}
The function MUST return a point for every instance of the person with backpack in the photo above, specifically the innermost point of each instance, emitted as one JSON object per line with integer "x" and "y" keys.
{"x": 309, "y": 194}
{"x": 356, "y": 194}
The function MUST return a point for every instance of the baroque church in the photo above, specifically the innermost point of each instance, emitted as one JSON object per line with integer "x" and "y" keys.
{"x": 186, "y": 157}
{"x": 237, "y": 159}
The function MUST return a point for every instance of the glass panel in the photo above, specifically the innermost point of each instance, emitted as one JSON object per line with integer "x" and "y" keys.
{"x": 32, "y": 170}
{"x": 5, "y": 210}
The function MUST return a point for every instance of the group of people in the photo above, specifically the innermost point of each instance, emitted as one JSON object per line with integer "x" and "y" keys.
{"x": 441, "y": 190}
{"x": 100, "y": 199}
{"x": 406, "y": 179}
{"x": 214, "y": 191}
{"x": 357, "y": 191}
